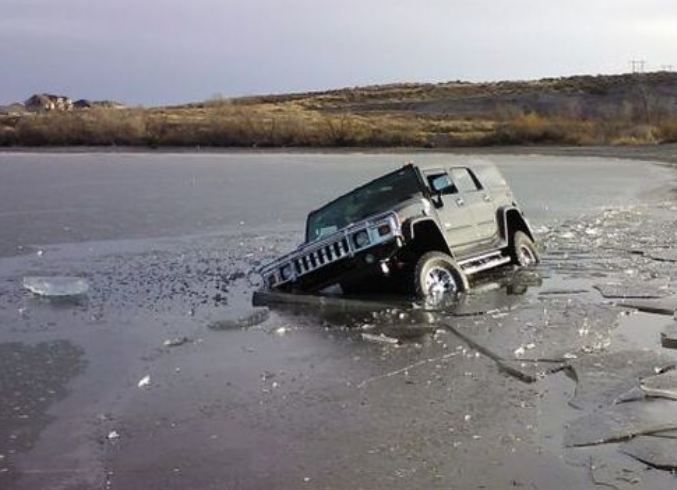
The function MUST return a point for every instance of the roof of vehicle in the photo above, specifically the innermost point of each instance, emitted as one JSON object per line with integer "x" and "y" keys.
{"x": 470, "y": 163}
{"x": 488, "y": 174}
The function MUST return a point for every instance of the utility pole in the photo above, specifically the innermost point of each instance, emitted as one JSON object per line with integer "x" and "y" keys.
{"x": 666, "y": 68}
{"x": 637, "y": 66}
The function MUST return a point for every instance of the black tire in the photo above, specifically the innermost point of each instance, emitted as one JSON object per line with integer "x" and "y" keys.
{"x": 445, "y": 268}
{"x": 523, "y": 251}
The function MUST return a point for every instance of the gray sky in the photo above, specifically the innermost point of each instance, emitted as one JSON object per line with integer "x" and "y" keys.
{"x": 168, "y": 51}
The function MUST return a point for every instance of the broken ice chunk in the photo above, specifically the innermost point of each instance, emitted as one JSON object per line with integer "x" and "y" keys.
{"x": 632, "y": 290}
{"x": 669, "y": 336}
{"x": 251, "y": 319}
{"x": 605, "y": 378}
{"x": 659, "y": 452}
{"x": 175, "y": 341}
{"x": 622, "y": 422}
{"x": 56, "y": 286}
{"x": 380, "y": 338}
{"x": 662, "y": 385}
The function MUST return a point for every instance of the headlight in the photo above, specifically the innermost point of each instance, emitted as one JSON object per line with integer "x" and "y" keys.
{"x": 384, "y": 229}
{"x": 361, "y": 239}
{"x": 285, "y": 272}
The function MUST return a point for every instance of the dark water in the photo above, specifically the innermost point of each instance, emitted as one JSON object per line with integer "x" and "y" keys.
{"x": 71, "y": 197}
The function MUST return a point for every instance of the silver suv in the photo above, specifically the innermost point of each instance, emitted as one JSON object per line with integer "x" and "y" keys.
{"x": 419, "y": 229}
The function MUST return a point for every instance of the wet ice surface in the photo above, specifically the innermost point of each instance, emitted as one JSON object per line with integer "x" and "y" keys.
{"x": 32, "y": 377}
{"x": 299, "y": 396}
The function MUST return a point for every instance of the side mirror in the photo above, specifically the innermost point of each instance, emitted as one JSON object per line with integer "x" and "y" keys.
{"x": 437, "y": 201}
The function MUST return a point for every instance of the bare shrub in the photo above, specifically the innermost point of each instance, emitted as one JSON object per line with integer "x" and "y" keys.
{"x": 667, "y": 131}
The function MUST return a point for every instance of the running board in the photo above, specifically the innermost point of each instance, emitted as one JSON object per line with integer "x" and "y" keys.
{"x": 484, "y": 263}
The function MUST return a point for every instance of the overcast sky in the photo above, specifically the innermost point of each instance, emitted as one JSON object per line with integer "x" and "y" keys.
{"x": 168, "y": 51}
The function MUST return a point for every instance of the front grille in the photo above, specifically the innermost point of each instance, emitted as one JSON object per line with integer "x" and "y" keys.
{"x": 326, "y": 254}
{"x": 337, "y": 247}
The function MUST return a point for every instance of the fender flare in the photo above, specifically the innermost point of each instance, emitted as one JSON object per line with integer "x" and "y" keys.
{"x": 512, "y": 213}
{"x": 409, "y": 234}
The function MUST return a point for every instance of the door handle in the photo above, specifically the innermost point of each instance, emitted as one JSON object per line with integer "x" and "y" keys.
{"x": 460, "y": 201}
{"x": 487, "y": 197}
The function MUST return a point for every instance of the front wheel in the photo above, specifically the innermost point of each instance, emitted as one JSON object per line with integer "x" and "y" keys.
{"x": 437, "y": 274}
{"x": 523, "y": 251}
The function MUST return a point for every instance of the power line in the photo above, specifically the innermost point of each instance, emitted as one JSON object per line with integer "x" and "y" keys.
{"x": 637, "y": 66}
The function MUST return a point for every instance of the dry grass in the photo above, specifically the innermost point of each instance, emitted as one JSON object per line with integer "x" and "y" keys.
{"x": 667, "y": 131}
{"x": 332, "y": 119}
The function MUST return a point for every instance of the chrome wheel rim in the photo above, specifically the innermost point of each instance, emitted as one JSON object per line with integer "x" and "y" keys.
{"x": 526, "y": 256}
{"x": 439, "y": 281}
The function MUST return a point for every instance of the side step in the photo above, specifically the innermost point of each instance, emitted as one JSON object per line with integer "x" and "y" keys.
{"x": 483, "y": 262}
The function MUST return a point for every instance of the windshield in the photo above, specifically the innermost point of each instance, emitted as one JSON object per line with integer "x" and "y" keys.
{"x": 375, "y": 197}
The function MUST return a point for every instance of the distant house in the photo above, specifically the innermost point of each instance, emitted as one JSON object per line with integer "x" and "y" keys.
{"x": 48, "y": 102}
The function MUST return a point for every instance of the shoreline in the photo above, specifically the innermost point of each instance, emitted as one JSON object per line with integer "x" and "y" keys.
{"x": 665, "y": 153}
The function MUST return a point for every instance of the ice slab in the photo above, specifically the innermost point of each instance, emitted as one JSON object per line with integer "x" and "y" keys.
{"x": 529, "y": 371}
{"x": 624, "y": 473}
{"x": 553, "y": 329}
{"x": 622, "y": 422}
{"x": 524, "y": 370}
{"x": 632, "y": 290}
{"x": 670, "y": 434}
{"x": 251, "y": 319}
{"x": 56, "y": 286}
{"x": 659, "y": 452}
{"x": 664, "y": 306}
{"x": 606, "y": 379}
{"x": 383, "y": 339}
{"x": 176, "y": 341}
{"x": 664, "y": 255}
{"x": 321, "y": 303}
{"x": 662, "y": 385}
{"x": 669, "y": 336}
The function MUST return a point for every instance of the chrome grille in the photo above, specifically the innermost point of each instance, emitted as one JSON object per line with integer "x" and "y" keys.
{"x": 333, "y": 249}
{"x": 326, "y": 254}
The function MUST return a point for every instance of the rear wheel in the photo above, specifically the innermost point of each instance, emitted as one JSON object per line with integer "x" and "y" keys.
{"x": 523, "y": 251}
{"x": 437, "y": 274}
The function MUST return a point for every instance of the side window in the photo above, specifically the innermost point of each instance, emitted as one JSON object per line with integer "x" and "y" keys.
{"x": 465, "y": 180}
{"x": 441, "y": 183}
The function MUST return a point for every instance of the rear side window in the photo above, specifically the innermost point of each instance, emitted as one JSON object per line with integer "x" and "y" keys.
{"x": 491, "y": 177}
{"x": 464, "y": 180}
{"x": 441, "y": 183}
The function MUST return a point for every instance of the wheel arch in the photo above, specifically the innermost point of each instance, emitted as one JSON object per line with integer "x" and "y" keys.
{"x": 424, "y": 235}
{"x": 510, "y": 220}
